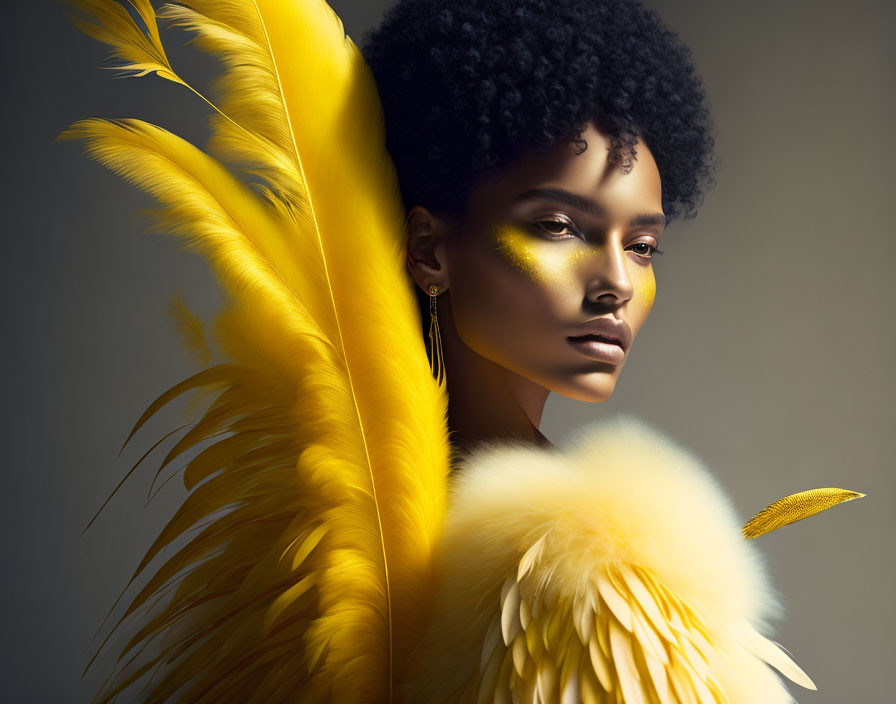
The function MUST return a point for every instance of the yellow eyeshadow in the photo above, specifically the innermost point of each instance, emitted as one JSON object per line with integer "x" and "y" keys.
{"x": 539, "y": 260}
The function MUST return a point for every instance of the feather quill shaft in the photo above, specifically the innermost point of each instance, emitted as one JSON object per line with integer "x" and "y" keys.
{"x": 330, "y": 288}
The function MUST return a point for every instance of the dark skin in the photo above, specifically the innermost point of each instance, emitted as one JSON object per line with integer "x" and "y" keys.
{"x": 556, "y": 240}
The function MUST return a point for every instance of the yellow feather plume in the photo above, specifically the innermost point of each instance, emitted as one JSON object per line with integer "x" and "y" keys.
{"x": 796, "y": 507}
{"x": 304, "y": 573}
{"x": 142, "y": 52}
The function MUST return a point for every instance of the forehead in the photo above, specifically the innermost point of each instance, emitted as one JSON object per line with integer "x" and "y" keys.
{"x": 590, "y": 174}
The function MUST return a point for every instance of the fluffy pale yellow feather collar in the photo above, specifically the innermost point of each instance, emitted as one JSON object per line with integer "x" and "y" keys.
{"x": 550, "y": 561}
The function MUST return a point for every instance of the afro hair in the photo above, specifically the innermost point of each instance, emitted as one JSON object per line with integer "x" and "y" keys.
{"x": 470, "y": 85}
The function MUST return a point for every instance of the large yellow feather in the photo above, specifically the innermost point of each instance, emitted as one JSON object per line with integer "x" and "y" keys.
{"x": 304, "y": 568}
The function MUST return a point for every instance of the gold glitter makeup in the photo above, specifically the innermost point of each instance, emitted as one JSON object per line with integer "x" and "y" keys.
{"x": 540, "y": 260}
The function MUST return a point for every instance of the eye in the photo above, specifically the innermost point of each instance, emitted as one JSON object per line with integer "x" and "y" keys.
{"x": 559, "y": 229}
{"x": 644, "y": 249}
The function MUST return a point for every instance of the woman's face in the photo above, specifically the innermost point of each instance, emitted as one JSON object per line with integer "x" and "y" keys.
{"x": 559, "y": 242}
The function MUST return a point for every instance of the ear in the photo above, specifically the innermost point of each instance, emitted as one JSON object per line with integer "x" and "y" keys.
{"x": 427, "y": 235}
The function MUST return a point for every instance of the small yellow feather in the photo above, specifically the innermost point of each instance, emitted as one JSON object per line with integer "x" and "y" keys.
{"x": 142, "y": 52}
{"x": 796, "y": 507}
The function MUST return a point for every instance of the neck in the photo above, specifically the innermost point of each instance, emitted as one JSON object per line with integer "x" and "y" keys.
{"x": 485, "y": 400}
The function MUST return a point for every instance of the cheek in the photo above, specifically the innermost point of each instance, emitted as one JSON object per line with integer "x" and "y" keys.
{"x": 644, "y": 294}
{"x": 547, "y": 264}
{"x": 507, "y": 291}
{"x": 647, "y": 289}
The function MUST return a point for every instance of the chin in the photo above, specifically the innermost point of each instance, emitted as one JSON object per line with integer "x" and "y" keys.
{"x": 595, "y": 387}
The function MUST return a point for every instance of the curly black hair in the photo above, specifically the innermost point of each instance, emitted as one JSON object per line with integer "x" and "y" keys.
{"x": 468, "y": 86}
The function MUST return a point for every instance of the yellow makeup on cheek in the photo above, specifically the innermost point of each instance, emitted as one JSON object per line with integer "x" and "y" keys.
{"x": 647, "y": 289}
{"x": 542, "y": 261}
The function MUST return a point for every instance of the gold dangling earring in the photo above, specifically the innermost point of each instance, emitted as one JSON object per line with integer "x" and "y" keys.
{"x": 437, "y": 359}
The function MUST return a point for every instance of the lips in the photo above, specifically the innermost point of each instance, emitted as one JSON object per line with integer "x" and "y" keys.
{"x": 607, "y": 329}
{"x": 603, "y": 339}
{"x": 598, "y": 348}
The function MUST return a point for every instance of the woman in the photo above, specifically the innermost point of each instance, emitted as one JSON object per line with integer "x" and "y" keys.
{"x": 500, "y": 90}
{"x": 540, "y": 150}
{"x": 487, "y": 103}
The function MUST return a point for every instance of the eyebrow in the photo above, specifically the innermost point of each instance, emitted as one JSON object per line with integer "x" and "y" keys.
{"x": 587, "y": 206}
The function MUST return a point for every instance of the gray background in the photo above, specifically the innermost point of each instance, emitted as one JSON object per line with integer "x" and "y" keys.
{"x": 769, "y": 351}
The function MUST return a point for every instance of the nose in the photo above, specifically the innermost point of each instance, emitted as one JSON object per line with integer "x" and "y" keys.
{"x": 608, "y": 282}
